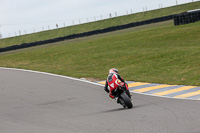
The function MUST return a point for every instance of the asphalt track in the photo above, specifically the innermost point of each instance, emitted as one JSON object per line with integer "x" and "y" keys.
{"x": 43, "y": 103}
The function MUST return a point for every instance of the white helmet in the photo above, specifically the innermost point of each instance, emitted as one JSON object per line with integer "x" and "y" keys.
{"x": 113, "y": 70}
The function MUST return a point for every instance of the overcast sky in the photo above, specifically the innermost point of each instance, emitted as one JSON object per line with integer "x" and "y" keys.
{"x": 28, "y": 16}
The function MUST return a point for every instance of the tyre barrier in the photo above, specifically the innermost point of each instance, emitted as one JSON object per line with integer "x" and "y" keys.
{"x": 89, "y": 33}
{"x": 187, "y": 17}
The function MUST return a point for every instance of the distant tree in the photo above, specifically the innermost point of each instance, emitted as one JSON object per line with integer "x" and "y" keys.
{"x": 1, "y": 35}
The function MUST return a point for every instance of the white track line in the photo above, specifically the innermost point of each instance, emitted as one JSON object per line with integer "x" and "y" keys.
{"x": 16, "y": 69}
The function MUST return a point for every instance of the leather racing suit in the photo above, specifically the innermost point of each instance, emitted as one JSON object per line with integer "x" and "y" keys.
{"x": 112, "y": 83}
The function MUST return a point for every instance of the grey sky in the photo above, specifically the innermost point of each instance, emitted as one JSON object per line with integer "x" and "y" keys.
{"x": 35, "y": 15}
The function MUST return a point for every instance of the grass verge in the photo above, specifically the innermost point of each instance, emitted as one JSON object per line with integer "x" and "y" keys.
{"x": 164, "y": 54}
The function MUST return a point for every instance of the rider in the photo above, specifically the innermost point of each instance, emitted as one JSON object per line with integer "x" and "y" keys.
{"x": 112, "y": 82}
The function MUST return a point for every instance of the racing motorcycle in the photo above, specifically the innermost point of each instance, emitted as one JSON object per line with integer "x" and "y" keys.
{"x": 122, "y": 95}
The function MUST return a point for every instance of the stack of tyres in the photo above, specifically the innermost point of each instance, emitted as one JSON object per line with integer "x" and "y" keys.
{"x": 187, "y": 17}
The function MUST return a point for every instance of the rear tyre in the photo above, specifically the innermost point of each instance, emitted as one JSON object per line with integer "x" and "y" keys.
{"x": 125, "y": 101}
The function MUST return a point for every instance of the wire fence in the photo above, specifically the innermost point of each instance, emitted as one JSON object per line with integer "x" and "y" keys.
{"x": 30, "y": 28}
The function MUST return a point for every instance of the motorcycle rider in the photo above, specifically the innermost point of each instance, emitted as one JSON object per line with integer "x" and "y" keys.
{"x": 112, "y": 82}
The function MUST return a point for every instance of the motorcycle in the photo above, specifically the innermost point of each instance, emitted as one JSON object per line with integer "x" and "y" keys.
{"x": 122, "y": 95}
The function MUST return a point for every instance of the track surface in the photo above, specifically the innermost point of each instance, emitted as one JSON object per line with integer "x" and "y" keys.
{"x": 41, "y": 103}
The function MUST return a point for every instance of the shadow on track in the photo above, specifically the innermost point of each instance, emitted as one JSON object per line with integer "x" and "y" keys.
{"x": 108, "y": 111}
{"x": 119, "y": 109}
{"x": 114, "y": 110}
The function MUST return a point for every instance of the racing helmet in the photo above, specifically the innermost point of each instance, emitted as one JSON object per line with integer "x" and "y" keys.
{"x": 113, "y": 70}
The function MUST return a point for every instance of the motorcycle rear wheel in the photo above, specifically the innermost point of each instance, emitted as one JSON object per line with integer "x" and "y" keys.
{"x": 125, "y": 101}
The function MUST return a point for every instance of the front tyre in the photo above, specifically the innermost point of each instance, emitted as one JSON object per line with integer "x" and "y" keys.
{"x": 125, "y": 101}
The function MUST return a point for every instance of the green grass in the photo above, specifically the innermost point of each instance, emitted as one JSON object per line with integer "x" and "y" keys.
{"x": 98, "y": 25}
{"x": 158, "y": 54}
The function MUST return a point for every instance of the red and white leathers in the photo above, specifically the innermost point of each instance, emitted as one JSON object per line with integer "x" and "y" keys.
{"x": 112, "y": 83}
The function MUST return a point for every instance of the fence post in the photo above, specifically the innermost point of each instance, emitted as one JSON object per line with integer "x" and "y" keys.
{"x": 160, "y": 6}
{"x": 110, "y": 15}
